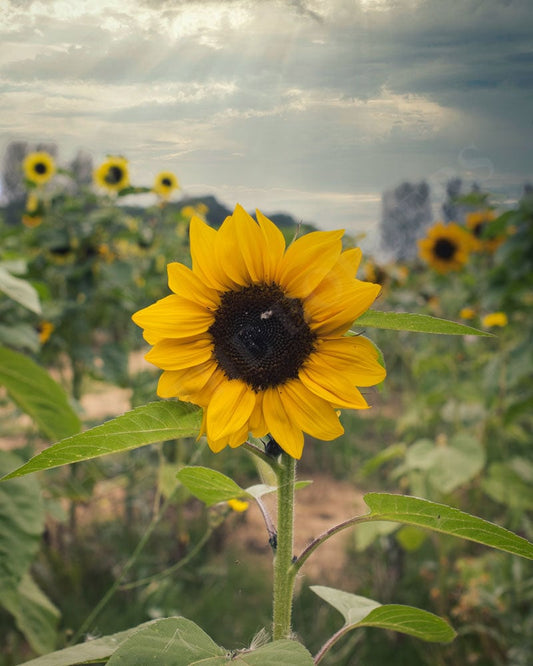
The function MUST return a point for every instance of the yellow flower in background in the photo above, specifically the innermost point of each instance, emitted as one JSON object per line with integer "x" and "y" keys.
{"x": 39, "y": 167}
{"x": 113, "y": 174}
{"x": 238, "y": 505}
{"x": 495, "y": 319}
{"x": 46, "y": 328}
{"x": 445, "y": 247}
{"x": 476, "y": 223}
{"x": 467, "y": 313}
{"x": 165, "y": 183}
{"x": 255, "y": 333}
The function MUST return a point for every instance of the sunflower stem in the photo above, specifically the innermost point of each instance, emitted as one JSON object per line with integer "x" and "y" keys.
{"x": 283, "y": 577}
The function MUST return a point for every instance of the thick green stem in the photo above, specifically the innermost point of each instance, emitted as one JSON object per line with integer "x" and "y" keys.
{"x": 283, "y": 576}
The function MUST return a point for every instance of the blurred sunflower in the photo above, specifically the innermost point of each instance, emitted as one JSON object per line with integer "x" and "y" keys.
{"x": 45, "y": 330}
{"x": 113, "y": 174}
{"x": 476, "y": 224}
{"x": 445, "y": 248}
{"x": 39, "y": 167}
{"x": 255, "y": 332}
{"x": 165, "y": 183}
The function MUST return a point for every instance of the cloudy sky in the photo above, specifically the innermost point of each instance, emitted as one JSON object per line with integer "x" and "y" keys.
{"x": 312, "y": 107}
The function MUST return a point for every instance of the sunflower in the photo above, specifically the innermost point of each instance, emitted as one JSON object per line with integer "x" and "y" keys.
{"x": 39, "y": 167}
{"x": 255, "y": 333}
{"x": 495, "y": 319}
{"x": 165, "y": 183}
{"x": 476, "y": 224}
{"x": 113, "y": 174}
{"x": 445, "y": 248}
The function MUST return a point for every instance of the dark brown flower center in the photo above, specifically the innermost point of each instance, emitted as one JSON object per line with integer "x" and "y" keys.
{"x": 114, "y": 175}
{"x": 166, "y": 182}
{"x": 260, "y": 336}
{"x": 40, "y": 168}
{"x": 478, "y": 229}
{"x": 444, "y": 248}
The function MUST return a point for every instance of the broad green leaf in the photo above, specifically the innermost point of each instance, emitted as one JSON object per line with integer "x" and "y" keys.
{"x": 21, "y": 525}
{"x": 38, "y": 395}
{"x": 210, "y": 486}
{"x": 362, "y": 612}
{"x": 177, "y": 641}
{"x": 91, "y": 651}
{"x": 19, "y": 290}
{"x": 505, "y": 485}
{"x": 154, "y": 422}
{"x": 415, "y": 323}
{"x": 173, "y": 641}
{"x": 21, "y": 336}
{"x": 445, "y": 519}
{"x": 446, "y": 466}
{"x": 35, "y": 615}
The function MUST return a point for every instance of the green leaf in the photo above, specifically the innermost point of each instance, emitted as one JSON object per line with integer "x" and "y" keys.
{"x": 505, "y": 485}
{"x": 177, "y": 641}
{"x": 445, "y": 519}
{"x": 21, "y": 336}
{"x": 38, "y": 395}
{"x": 155, "y": 422}
{"x": 446, "y": 466}
{"x": 173, "y": 641}
{"x": 21, "y": 525}
{"x": 35, "y": 615}
{"x": 362, "y": 612}
{"x": 20, "y": 291}
{"x": 415, "y": 323}
{"x": 91, "y": 651}
{"x": 210, "y": 486}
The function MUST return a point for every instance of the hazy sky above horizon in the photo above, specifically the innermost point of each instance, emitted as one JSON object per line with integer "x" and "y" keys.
{"x": 308, "y": 107}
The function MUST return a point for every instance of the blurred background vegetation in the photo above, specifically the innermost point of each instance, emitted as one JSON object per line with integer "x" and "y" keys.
{"x": 116, "y": 541}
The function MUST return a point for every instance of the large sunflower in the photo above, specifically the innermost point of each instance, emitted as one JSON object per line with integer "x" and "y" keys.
{"x": 39, "y": 167}
{"x": 445, "y": 248}
{"x": 255, "y": 333}
{"x": 165, "y": 183}
{"x": 113, "y": 174}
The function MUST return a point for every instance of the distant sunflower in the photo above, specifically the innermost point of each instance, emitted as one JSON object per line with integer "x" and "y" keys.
{"x": 39, "y": 167}
{"x": 476, "y": 224}
{"x": 165, "y": 183}
{"x": 113, "y": 174}
{"x": 445, "y": 248}
{"x": 495, "y": 319}
{"x": 255, "y": 333}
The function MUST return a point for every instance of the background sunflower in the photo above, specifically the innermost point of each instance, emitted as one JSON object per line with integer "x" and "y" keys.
{"x": 165, "y": 183}
{"x": 113, "y": 174}
{"x": 39, "y": 167}
{"x": 445, "y": 248}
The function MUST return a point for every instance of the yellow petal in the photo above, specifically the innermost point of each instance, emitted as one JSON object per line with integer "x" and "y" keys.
{"x": 171, "y": 354}
{"x": 230, "y": 262}
{"x": 251, "y": 243}
{"x": 183, "y": 282}
{"x": 355, "y": 357}
{"x": 203, "y": 240}
{"x": 308, "y": 260}
{"x": 274, "y": 242}
{"x": 332, "y": 312}
{"x": 229, "y": 409}
{"x": 174, "y": 317}
{"x": 189, "y": 384}
{"x": 283, "y": 430}
{"x": 336, "y": 389}
{"x": 258, "y": 426}
{"x": 312, "y": 414}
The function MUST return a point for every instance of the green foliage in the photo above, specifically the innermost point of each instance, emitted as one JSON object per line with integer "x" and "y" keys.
{"x": 362, "y": 612}
{"x": 38, "y": 395}
{"x": 155, "y": 422}
{"x": 415, "y": 323}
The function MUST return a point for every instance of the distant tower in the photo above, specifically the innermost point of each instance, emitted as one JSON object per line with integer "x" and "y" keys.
{"x": 406, "y": 213}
